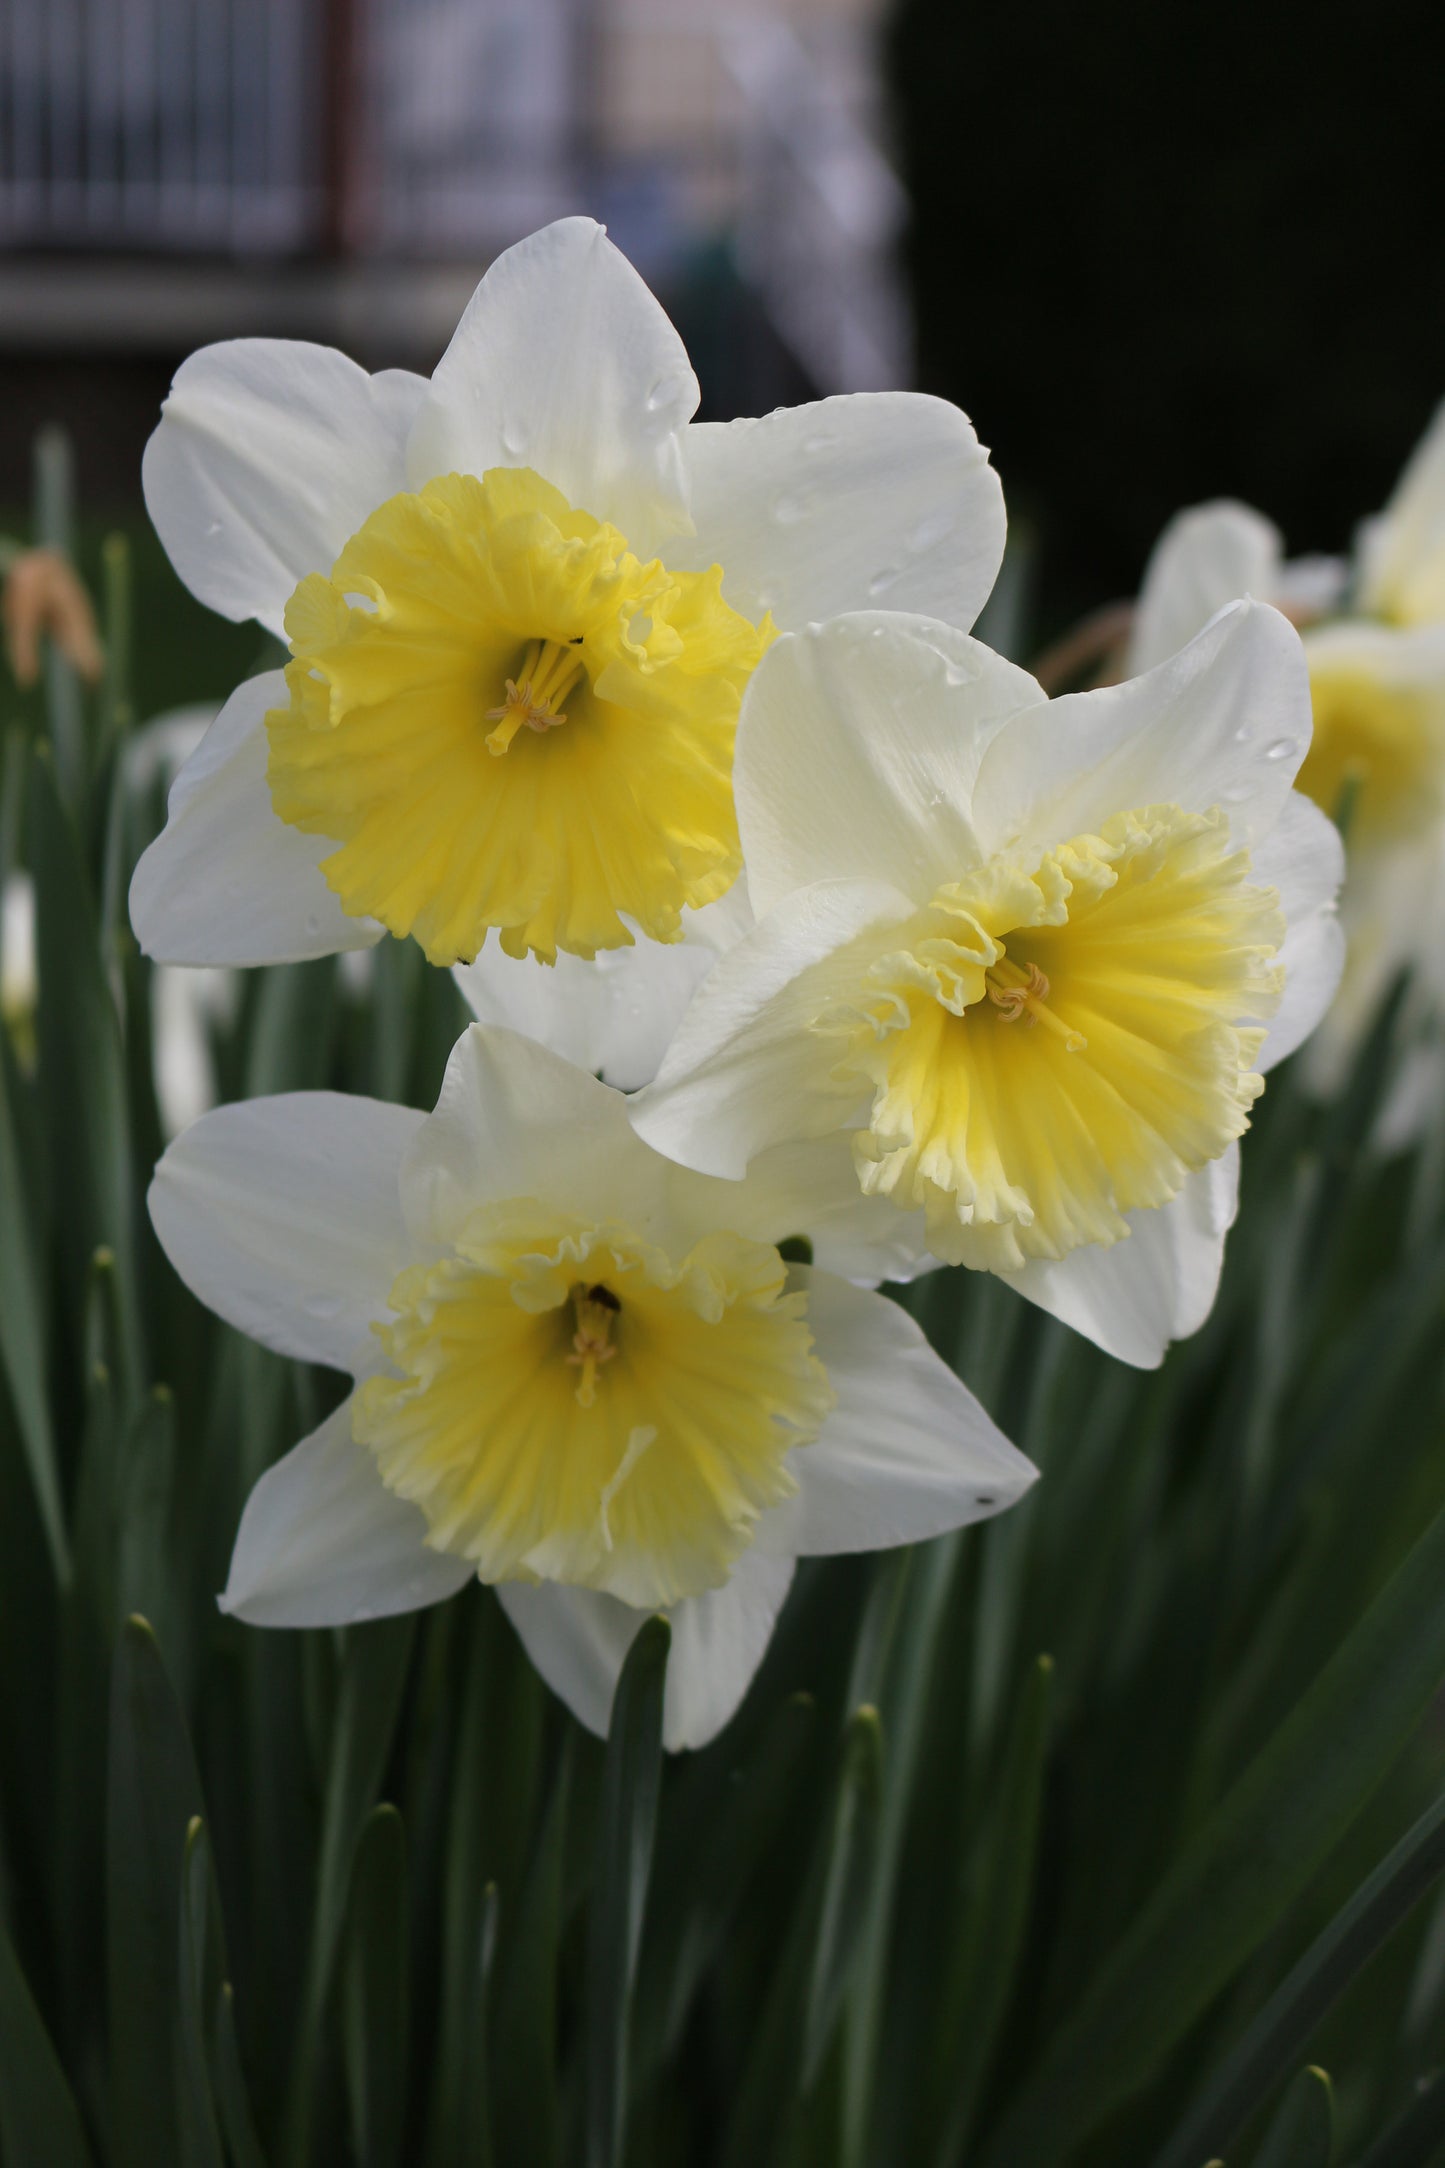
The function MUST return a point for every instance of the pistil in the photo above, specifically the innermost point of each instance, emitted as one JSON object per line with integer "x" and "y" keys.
{"x": 595, "y": 1309}
{"x": 550, "y": 669}
{"x": 1021, "y": 993}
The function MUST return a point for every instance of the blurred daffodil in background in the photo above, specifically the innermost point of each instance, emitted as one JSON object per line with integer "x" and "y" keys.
{"x": 1374, "y": 636}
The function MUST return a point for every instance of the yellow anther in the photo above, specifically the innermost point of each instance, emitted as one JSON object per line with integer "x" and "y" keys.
{"x": 1022, "y": 996}
{"x": 595, "y": 1308}
{"x": 549, "y": 671}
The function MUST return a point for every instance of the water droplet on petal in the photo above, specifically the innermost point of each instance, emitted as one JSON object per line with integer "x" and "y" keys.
{"x": 788, "y": 509}
{"x": 882, "y": 581}
{"x": 1280, "y": 750}
{"x": 1243, "y": 735}
{"x": 312, "y": 925}
{"x": 663, "y": 394}
{"x": 822, "y": 440}
{"x": 514, "y": 439}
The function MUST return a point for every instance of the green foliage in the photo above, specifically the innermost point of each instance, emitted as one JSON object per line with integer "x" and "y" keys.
{"x": 933, "y": 1897}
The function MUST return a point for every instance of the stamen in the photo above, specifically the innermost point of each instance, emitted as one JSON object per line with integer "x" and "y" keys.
{"x": 1022, "y": 995}
{"x": 595, "y": 1309}
{"x": 549, "y": 671}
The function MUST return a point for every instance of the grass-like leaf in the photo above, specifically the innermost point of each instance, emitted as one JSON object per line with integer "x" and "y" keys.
{"x": 626, "y": 1829}
{"x": 1246, "y": 1866}
{"x": 40, "y": 2125}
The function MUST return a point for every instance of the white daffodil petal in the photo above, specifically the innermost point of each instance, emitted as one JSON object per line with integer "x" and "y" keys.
{"x": 269, "y": 454}
{"x": 515, "y": 1120}
{"x": 1402, "y": 551}
{"x": 564, "y": 362}
{"x": 1156, "y": 1285}
{"x": 1313, "y": 957}
{"x": 809, "y": 1186}
{"x": 1226, "y": 722}
{"x": 1303, "y": 857}
{"x": 907, "y": 1452}
{"x": 718, "y": 1642}
{"x": 744, "y": 1071}
{"x": 284, "y": 1216}
{"x": 1394, "y": 901}
{"x": 226, "y": 882}
{"x": 323, "y": 1542}
{"x": 858, "y": 749}
{"x": 1205, "y": 559}
{"x": 578, "y": 1640}
{"x": 614, "y": 1015}
{"x": 873, "y": 498}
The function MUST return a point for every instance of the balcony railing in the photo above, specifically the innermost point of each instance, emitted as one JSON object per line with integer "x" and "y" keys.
{"x": 428, "y": 130}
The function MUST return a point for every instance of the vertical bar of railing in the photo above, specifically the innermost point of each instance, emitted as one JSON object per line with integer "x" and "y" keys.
{"x": 342, "y": 80}
{"x": 7, "y": 128}
{"x": 25, "y": 81}
{"x": 61, "y": 162}
{"x": 175, "y": 192}
{"x": 99, "y": 67}
{"x": 239, "y": 133}
{"x": 285, "y": 62}
{"x": 134, "y": 30}
{"x": 212, "y": 114}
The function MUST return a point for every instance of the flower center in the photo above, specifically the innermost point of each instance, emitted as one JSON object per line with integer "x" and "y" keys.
{"x": 1047, "y": 1051}
{"x": 595, "y": 1308}
{"x": 549, "y": 672}
{"x": 1022, "y": 994}
{"x": 552, "y": 1428}
{"x": 495, "y": 602}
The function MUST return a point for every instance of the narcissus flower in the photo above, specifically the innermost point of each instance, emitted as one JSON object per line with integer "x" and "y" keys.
{"x": 581, "y": 1373}
{"x": 523, "y": 601}
{"x": 1030, "y": 957}
{"x": 1401, "y": 551}
{"x": 1374, "y": 639}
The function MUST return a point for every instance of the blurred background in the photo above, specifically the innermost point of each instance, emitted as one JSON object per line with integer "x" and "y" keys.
{"x": 1157, "y": 254}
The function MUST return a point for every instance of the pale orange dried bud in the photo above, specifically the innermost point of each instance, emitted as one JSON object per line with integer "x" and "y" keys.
{"x": 44, "y": 594}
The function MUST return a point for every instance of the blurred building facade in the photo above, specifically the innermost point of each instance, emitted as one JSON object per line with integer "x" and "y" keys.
{"x": 177, "y": 170}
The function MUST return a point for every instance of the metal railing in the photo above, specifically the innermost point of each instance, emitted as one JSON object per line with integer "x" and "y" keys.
{"x": 401, "y": 130}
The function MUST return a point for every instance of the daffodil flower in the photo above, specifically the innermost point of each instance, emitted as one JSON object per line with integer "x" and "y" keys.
{"x": 1401, "y": 551}
{"x": 581, "y": 1373}
{"x": 1030, "y": 957}
{"x": 1374, "y": 639}
{"x": 523, "y": 601}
